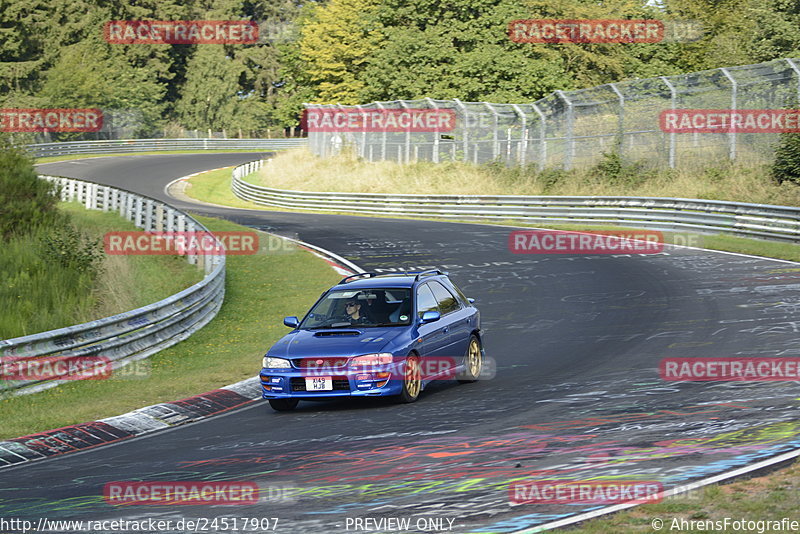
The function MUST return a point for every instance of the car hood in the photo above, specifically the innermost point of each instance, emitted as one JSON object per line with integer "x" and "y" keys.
{"x": 338, "y": 342}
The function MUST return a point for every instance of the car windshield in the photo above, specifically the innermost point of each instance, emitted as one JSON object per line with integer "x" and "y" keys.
{"x": 343, "y": 308}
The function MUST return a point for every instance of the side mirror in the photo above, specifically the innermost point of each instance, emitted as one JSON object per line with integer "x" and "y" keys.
{"x": 471, "y": 300}
{"x": 430, "y": 316}
{"x": 291, "y": 321}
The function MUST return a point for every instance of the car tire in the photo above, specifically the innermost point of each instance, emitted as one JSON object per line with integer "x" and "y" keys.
{"x": 283, "y": 405}
{"x": 473, "y": 361}
{"x": 412, "y": 379}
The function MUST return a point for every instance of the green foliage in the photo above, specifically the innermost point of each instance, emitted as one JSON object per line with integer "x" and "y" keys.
{"x": 38, "y": 295}
{"x": 94, "y": 74}
{"x": 26, "y": 202}
{"x": 336, "y": 39}
{"x": 209, "y": 96}
{"x": 52, "y": 54}
{"x": 550, "y": 178}
{"x": 786, "y": 167}
{"x": 613, "y": 169}
{"x": 66, "y": 246}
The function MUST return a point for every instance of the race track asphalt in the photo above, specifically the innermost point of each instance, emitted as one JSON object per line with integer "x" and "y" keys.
{"x": 576, "y": 342}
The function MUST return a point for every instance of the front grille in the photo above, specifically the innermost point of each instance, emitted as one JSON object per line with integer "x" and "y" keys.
{"x": 320, "y": 363}
{"x": 340, "y": 383}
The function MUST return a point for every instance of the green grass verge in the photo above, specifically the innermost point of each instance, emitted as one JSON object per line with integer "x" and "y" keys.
{"x": 764, "y": 498}
{"x": 39, "y": 295}
{"x": 215, "y": 187}
{"x": 151, "y": 153}
{"x": 260, "y": 291}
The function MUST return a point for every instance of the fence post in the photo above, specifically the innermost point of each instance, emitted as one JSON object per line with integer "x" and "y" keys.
{"x": 138, "y": 215}
{"x": 148, "y": 215}
{"x": 341, "y": 135}
{"x": 408, "y": 134}
{"x": 495, "y": 140}
{"x": 796, "y": 71}
{"x": 732, "y": 132}
{"x": 323, "y": 138}
{"x": 106, "y": 197}
{"x": 569, "y": 151}
{"x": 523, "y": 145}
{"x": 88, "y": 195}
{"x": 312, "y": 136}
{"x": 362, "y": 150}
{"x": 435, "y": 155}
{"x": 542, "y": 138}
{"x": 383, "y": 136}
{"x": 620, "y": 116}
{"x": 159, "y": 222}
{"x": 464, "y": 129}
{"x": 170, "y": 220}
{"x": 673, "y": 100}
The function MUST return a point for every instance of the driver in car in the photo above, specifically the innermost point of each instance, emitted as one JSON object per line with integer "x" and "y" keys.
{"x": 353, "y": 309}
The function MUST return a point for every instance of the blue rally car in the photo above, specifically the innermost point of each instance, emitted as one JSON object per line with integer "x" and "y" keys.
{"x": 376, "y": 335}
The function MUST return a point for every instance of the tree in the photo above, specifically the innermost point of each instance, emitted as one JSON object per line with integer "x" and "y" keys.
{"x": 212, "y": 98}
{"x": 26, "y": 200}
{"x": 94, "y": 74}
{"x": 335, "y": 41}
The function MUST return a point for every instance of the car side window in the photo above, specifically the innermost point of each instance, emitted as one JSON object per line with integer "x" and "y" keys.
{"x": 447, "y": 302}
{"x": 460, "y": 294}
{"x": 425, "y": 300}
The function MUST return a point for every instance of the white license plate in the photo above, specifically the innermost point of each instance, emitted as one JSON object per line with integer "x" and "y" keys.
{"x": 319, "y": 383}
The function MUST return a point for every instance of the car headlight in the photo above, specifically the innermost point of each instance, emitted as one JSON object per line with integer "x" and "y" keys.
{"x": 372, "y": 360}
{"x": 275, "y": 363}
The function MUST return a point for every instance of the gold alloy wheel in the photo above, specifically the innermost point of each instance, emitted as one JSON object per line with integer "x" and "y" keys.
{"x": 474, "y": 358}
{"x": 413, "y": 379}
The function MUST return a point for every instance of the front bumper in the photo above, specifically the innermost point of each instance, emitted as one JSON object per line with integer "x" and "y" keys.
{"x": 291, "y": 383}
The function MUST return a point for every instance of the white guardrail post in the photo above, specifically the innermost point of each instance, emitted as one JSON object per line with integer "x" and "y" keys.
{"x": 132, "y": 335}
{"x": 763, "y": 221}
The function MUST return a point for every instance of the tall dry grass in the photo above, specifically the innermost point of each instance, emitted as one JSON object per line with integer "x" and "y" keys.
{"x": 720, "y": 180}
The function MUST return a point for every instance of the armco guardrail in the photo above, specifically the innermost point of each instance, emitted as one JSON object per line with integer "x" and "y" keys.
{"x": 138, "y": 333}
{"x": 708, "y": 216}
{"x": 154, "y": 145}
